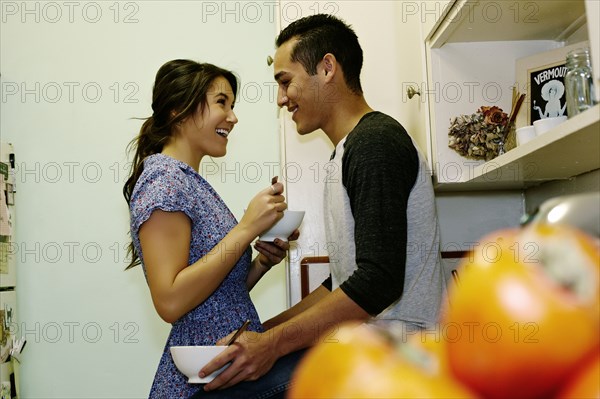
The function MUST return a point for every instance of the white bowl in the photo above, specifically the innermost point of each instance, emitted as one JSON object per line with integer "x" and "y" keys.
{"x": 290, "y": 221}
{"x": 190, "y": 359}
{"x": 525, "y": 134}
{"x": 543, "y": 125}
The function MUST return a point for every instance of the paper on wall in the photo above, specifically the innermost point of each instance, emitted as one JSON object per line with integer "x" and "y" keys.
{"x": 4, "y": 261}
{"x": 5, "y": 229}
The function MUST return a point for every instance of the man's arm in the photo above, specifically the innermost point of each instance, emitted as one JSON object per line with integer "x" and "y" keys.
{"x": 254, "y": 354}
{"x": 306, "y": 329}
{"x": 307, "y": 302}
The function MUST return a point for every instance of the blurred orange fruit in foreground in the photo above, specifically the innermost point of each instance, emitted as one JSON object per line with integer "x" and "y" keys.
{"x": 585, "y": 382}
{"x": 526, "y": 312}
{"x": 359, "y": 363}
{"x": 524, "y": 322}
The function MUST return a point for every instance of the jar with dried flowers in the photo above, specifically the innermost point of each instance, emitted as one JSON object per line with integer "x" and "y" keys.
{"x": 480, "y": 135}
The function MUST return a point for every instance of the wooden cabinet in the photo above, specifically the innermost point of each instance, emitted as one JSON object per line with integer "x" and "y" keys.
{"x": 471, "y": 56}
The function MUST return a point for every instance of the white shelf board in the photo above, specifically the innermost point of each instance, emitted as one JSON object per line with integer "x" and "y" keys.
{"x": 515, "y": 20}
{"x": 568, "y": 150}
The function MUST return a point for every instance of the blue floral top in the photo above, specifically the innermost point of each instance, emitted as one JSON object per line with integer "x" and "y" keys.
{"x": 173, "y": 186}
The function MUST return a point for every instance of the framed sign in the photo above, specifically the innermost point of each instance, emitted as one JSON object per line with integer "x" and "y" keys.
{"x": 547, "y": 92}
{"x": 541, "y": 78}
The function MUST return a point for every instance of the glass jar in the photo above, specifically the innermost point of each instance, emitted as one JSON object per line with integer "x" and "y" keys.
{"x": 579, "y": 83}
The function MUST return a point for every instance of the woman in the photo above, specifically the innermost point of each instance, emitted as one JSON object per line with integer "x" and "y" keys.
{"x": 195, "y": 256}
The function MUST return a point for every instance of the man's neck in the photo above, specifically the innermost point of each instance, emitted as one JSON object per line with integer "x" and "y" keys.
{"x": 344, "y": 117}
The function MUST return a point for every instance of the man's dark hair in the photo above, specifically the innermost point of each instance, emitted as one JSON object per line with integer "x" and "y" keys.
{"x": 321, "y": 34}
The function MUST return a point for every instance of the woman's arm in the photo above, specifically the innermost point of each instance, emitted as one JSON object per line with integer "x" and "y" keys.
{"x": 270, "y": 254}
{"x": 176, "y": 288}
{"x": 257, "y": 270}
{"x": 165, "y": 237}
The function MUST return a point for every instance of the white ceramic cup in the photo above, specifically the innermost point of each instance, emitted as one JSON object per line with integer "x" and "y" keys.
{"x": 543, "y": 125}
{"x": 524, "y": 134}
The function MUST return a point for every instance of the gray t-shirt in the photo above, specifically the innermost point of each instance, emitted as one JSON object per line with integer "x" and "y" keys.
{"x": 381, "y": 224}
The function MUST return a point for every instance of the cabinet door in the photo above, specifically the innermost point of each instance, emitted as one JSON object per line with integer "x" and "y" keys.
{"x": 304, "y": 170}
{"x": 412, "y": 21}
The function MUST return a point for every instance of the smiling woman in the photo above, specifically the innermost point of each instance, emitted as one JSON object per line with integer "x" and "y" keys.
{"x": 195, "y": 256}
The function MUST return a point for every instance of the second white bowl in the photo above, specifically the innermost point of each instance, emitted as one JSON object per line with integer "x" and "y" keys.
{"x": 525, "y": 134}
{"x": 543, "y": 125}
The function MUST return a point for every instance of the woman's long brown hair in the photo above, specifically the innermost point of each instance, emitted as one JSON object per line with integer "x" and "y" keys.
{"x": 180, "y": 90}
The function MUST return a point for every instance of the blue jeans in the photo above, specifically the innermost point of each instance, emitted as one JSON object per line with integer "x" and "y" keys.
{"x": 272, "y": 385}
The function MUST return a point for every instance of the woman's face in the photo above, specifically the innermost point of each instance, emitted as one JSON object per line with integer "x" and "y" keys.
{"x": 206, "y": 131}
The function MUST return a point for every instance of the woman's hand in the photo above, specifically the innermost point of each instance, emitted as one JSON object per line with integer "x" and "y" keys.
{"x": 265, "y": 209}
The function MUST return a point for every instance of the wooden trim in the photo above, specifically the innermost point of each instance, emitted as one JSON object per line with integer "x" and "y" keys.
{"x": 314, "y": 259}
{"x": 454, "y": 254}
{"x": 304, "y": 264}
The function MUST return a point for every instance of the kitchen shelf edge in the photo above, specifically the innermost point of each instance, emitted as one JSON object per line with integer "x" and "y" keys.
{"x": 568, "y": 150}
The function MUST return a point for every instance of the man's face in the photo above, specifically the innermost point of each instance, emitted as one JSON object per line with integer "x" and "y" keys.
{"x": 300, "y": 92}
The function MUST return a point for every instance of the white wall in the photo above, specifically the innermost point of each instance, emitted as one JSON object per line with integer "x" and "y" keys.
{"x": 73, "y": 74}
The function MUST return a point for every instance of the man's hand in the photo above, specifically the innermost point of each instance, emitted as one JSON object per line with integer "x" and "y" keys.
{"x": 250, "y": 356}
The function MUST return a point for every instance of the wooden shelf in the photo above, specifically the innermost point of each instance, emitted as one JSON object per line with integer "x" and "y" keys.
{"x": 485, "y": 20}
{"x": 568, "y": 150}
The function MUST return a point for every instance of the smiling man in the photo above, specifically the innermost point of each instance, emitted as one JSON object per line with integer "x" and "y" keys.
{"x": 379, "y": 205}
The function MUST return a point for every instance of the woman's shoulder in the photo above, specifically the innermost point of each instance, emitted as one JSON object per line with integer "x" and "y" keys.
{"x": 162, "y": 176}
{"x": 163, "y": 184}
{"x": 165, "y": 165}
{"x": 163, "y": 169}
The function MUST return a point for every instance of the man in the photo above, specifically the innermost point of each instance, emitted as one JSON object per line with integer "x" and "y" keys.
{"x": 379, "y": 205}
